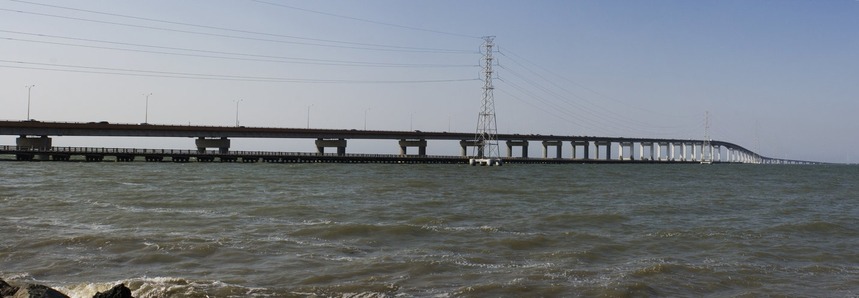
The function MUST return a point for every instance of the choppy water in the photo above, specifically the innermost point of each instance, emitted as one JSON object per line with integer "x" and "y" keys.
{"x": 236, "y": 230}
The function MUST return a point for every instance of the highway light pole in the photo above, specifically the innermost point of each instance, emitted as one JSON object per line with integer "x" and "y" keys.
{"x": 146, "y": 119}
{"x": 237, "y": 111}
{"x": 308, "y": 116}
{"x": 29, "y": 88}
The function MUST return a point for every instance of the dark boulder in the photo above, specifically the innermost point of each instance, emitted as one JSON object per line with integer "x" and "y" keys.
{"x": 38, "y": 291}
{"x": 7, "y": 290}
{"x": 118, "y": 291}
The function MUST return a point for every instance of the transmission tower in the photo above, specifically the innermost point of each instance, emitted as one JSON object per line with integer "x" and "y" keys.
{"x": 486, "y": 151}
{"x": 707, "y": 148}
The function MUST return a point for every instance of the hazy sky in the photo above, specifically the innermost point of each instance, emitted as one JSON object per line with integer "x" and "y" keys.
{"x": 779, "y": 77}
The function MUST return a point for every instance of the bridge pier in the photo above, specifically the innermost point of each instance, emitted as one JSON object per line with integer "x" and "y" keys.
{"x": 340, "y": 144}
{"x": 685, "y": 153}
{"x": 660, "y": 148}
{"x": 696, "y": 154}
{"x": 607, "y": 145}
{"x": 559, "y": 145}
{"x": 718, "y": 153}
{"x": 641, "y": 146}
{"x": 517, "y": 143}
{"x": 223, "y": 144}
{"x": 464, "y": 144}
{"x": 37, "y": 143}
{"x": 421, "y": 144}
{"x": 585, "y": 149}
{"x": 621, "y": 154}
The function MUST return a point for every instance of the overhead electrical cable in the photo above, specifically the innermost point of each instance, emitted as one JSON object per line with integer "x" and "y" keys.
{"x": 242, "y": 31}
{"x": 366, "y": 20}
{"x": 541, "y": 108}
{"x": 597, "y": 110}
{"x": 600, "y": 114}
{"x": 578, "y": 110}
{"x": 440, "y": 51}
{"x": 565, "y": 114}
{"x": 151, "y": 73}
{"x": 565, "y": 79}
{"x": 254, "y": 57}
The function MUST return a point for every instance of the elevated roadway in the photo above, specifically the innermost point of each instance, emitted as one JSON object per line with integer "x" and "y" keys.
{"x": 37, "y": 135}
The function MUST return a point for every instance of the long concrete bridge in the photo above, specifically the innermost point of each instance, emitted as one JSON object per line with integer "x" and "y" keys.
{"x": 34, "y": 142}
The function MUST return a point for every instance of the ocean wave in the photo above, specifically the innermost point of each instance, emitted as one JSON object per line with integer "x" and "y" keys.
{"x": 819, "y": 228}
{"x": 156, "y": 287}
{"x": 586, "y": 219}
{"x": 352, "y": 230}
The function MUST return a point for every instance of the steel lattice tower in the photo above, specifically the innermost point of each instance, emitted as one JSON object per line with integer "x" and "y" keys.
{"x": 486, "y": 150}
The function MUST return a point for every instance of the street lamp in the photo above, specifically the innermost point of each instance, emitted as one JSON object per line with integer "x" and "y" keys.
{"x": 237, "y": 111}
{"x": 308, "y": 116}
{"x": 29, "y": 88}
{"x": 146, "y": 120}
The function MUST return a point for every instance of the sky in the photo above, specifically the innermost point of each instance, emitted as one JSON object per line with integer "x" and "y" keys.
{"x": 777, "y": 77}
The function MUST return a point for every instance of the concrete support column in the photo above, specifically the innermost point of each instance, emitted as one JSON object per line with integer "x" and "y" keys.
{"x": 608, "y": 151}
{"x": 671, "y": 152}
{"x": 585, "y": 145}
{"x": 718, "y": 156}
{"x": 464, "y": 144}
{"x": 683, "y": 153}
{"x": 666, "y": 146}
{"x": 643, "y": 145}
{"x": 340, "y": 144}
{"x": 223, "y": 144}
{"x": 607, "y": 145}
{"x": 421, "y": 144}
{"x": 622, "y": 154}
{"x": 37, "y": 143}
{"x": 42, "y": 143}
{"x": 587, "y": 151}
{"x": 559, "y": 145}
{"x": 695, "y": 152}
{"x": 517, "y": 143}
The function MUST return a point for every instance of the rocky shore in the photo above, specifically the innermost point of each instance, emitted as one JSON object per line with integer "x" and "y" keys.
{"x": 15, "y": 290}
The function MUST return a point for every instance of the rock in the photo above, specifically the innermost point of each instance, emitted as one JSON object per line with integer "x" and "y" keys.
{"x": 118, "y": 291}
{"x": 7, "y": 290}
{"x": 38, "y": 291}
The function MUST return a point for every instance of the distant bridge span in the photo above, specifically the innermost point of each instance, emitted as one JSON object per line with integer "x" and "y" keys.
{"x": 35, "y": 135}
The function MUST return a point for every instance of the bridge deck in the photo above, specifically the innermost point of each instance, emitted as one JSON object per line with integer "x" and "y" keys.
{"x": 660, "y": 150}
{"x": 177, "y": 155}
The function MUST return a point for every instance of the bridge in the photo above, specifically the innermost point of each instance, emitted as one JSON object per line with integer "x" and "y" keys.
{"x": 34, "y": 142}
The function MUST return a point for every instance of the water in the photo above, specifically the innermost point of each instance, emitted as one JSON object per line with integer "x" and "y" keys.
{"x": 274, "y": 230}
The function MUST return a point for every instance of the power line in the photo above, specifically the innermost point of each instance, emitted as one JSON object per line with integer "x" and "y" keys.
{"x": 366, "y": 20}
{"x": 598, "y": 114}
{"x": 184, "y": 75}
{"x": 238, "y": 30}
{"x": 258, "y": 58}
{"x": 596, "y": 110}
{"x": 376, "y": 48}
